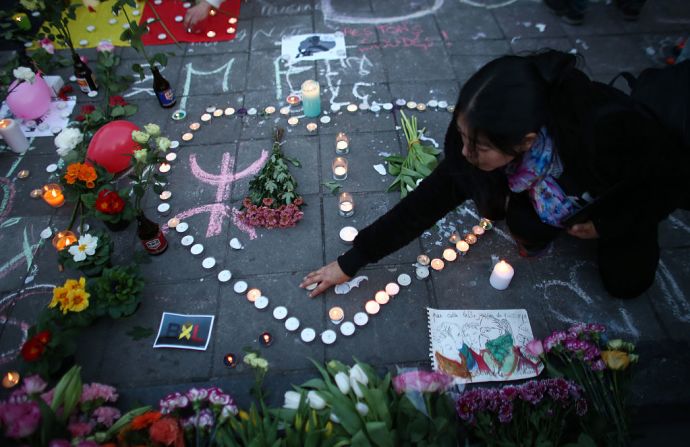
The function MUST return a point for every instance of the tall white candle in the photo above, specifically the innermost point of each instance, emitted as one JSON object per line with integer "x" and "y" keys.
{"x": 501, "y": 275}
{"x": 13, "y": 135}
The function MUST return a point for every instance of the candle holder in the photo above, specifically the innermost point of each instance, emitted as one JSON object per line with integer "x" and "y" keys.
{"x": 64, "y": 239}
{"x": 311, "y": 98}
{"x": 266, "y": 339}
{"x": 53, "y": 196}
{"x": 11, "y": 379}
{"x": 477, "y": 230}
{"x": 486, "y": 224}
{"x": 342, "y": 143}
{"x": 471, "y": 239}
{"x": 346, "y": 204}
{"x": 230, "y": 360}
{"x": 437, "y": 264}
{"x": 340, "y": 168}
{"x": 336, "y": 314}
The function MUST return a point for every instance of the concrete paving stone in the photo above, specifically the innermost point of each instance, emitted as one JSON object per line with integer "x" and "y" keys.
{"x": 267, "y": 33}
{"x": 525, "y": 18}
{"x": 660, "y": 17}
{"x": 377, "y": 342}
{"x": 660, "y": 370}
{"x": 368, "y": 208}
{"x": 266, "y": 66}
{"x": 239, "y": 44}
{"x": 15, "y": 192}
{"x": 530, "y": 45}
{"x": 216, "y": 131}
{"x": 259, "y": 126}
{"x": 656, "y": 46}
{"x": 466, "y": 66}
{"x": 362, "y": 64}
{"x": 435, "y": 122}
{"x": 360, "y": 120}
{"x": 241, "y": 324}
{"x": 413, "y": 64}
{"x": 668, "y": 295}
{"x": 201, "y": 75}
{"x": 365, "y": 152}
{"x": 171, "y": 50}
{"x": 38, "y": 146}
{"x": 145, "y": 365}
{"x": 355, "y": 33}
{"x": 674, "y": 232}
{"x": 600, "y": 18}
{"x": 93, "y": 343}
{"x": 458, "y": 22}
{"x": 144, "y": 88}
{"x": 496, "y": 47}
{"x": 606, "y": 55}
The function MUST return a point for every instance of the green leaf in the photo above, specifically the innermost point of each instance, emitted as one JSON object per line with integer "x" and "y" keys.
{"x": 379, "y": 434}
{"x": 140, "y": 332}
{"x": 117, "y": 111}
{"x": 332, "y": 186}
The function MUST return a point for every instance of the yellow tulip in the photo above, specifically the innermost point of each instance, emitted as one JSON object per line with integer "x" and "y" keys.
{"x": 616, "y": 360}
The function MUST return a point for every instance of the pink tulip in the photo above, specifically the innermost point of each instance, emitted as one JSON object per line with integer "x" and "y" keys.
{"x": 535, "y": 347}
{"x": 422, "y": 381}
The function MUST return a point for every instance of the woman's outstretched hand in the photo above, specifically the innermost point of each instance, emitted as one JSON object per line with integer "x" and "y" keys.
{"x": 327, "y": 276}
{"x": 585, "y": 230}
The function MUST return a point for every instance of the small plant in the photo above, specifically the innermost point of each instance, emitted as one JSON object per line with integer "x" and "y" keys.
{"x": 109, "y": 205}
{"x": 89, "y": 255}
{"x": 118, "y": 290}
{"x": 46, "y": 347}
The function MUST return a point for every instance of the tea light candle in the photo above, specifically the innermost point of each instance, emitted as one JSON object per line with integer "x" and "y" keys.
{"x": 348, "y": 234}
{"x": 253, "y": 295}
{"x": 187, "y": 136}
{"x": 232, "y": 20}
{"x": 501, "y": 275}
{"x": 240, "y": 287}
{"x": 164, "y": 209}
{"x": 421, "y": 273}
{"x": 165, "y": 195}
{"x": 477, "y": 230}
{"x": 372, "y": 307}
{"x": 311, "y": 127}
{"x": 182, "y": 227}
{"x": 361, "y": 318}
{"x": 211, "y": 34}
{"x": 197, "y": 249}
{"x": 342, "y": 143}
{"x": 293, "y": 100}
{"x": 36, "y": 193}
{"x": 230, "y": 360}
{"x": 208, "y": 263}
{"x": 229, "y": 111}
{"x": 187, "y": 240}
{"x": 224, "y": 276}
{"x": 381, "y": 297}
{"x": 64, "y": 239}
{"x": 352, "y": 108}
{"x": 336, "y": 314}
{"x": 261, "y": 303}
{"x": 164, "y": 168}
{"x": 194, "y": 126}
{"x": 205, "y": 117}
{"x": 311, "y": 98}
{"x": 270, "y": 110}
{"x": 437, "y": 264}
{"x": 173, "y": 222}
{"x": 346, "y": 204}
{"x": 10, "y": 379}
{"x": 178, "y": 115}
{"x": 308, "y": 335}
{"x": 292, "y": 324}
{"x": 347, "y": 328}
{"x": 24, "y": 173}
{"x": 471, "y": 239}
{"x": 12, "y": 133}
{"x": 486, "y": 224}
{"x": 293, "y": 121}
{"x": 339, "y": 168}
{"x": 328, "y": 337}
{"x": 450, "y": 255}
{"x": 404, "y": 280}
{"x": 170, "y": 157}
{"x": 454, "y": 238}
{"x": 285, "y": 110}
{"x": 392, "y": 289}
{"x": 266, "y": 338}
{"x": 423, "y": 260}
{"x": 463, "y": 247}
{"x": 280, "y": 312}
{"x": 53, "y": 196}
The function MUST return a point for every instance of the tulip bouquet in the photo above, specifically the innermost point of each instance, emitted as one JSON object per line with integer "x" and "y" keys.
{"x": 602, "y": 367}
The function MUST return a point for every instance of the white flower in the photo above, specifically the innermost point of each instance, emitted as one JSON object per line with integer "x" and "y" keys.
{"x": 362, "y": 408}
{"x": 67, "y": 140}
{"x": 292, "y": 399}
{"x": 24, "y": 74}
{"x": 356, "y": 388}
{"x": 358, "y": 374}
{"x": 315, "y": 401}
{"x": 152, "y": 129}
{"x": 86, "y": 247}
{"x": 334, "y": 418}
{"x": 343, "y": 382}
{"x": 140, "y": 155}
{"x": 163, "y": 144}
{"x": 140, "y": 137}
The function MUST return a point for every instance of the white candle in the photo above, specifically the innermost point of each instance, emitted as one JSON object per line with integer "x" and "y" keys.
{"x": 462, "y": 247}
{"x": 348, "y": 234}
{"x": 224, "y": 275}
{"x": 208, "y": 263}
{"x": 422, "y": 272}
{"x": 187, "y": 240}
{"x": 361, "y": 318}
{"x": 164, "y": 209}
{"x": 328, "y": 337}
{"x": 253, "y": 295}
{"x": 449, "y": 255}
{"x": 171, "y": 156}
{"x": 501, "y": 275}
{"x": 308, "y": 335}
{"x": 437, "y": 264}
{"x": 404, "y": 280}
{"x": 182, "y": 227}
{"x": 381, "y": 297}
{"x": 165, "y": 195}
{"x": 280, "y": 312}
{"x": 240, "y": 287}
{"x": 372, "y": 307}
{"x": 347, "y": 328}
{"x": 292, "y": 324}
{"x": 346, "y": 204}
{"x": 336, "y": 314}
{"x": 261, "y": 303}
{"x": 197, "y": 249}
{"x": 477, "y": 230}
{"x": 13, "y": 135}
{"x": 392, "y": 289}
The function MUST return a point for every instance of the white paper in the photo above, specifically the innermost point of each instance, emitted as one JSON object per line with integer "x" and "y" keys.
{"x": 342, "y": 289}
{"x": 313, "y": 47}
{"x": 53, "y": 118}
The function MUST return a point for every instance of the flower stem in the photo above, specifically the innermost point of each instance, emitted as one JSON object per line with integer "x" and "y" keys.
{"x": 74, "y": 213}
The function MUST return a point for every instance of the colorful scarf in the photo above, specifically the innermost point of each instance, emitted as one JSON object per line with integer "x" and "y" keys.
{"x": 536, "y": 172}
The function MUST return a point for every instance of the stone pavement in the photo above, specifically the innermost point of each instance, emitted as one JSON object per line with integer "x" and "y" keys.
{"x": 418, "y": 50}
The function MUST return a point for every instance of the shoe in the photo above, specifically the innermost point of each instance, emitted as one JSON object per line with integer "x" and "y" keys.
{"x": 563, "y": 10}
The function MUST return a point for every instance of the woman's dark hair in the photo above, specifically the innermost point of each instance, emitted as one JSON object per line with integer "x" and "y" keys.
{"x": 509, "y": 97}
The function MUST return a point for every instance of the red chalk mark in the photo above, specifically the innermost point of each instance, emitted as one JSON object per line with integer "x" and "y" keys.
{"x": 401, "y": 35}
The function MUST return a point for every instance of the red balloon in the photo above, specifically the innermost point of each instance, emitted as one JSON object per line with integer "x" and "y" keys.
{"x": 112, "y": 145}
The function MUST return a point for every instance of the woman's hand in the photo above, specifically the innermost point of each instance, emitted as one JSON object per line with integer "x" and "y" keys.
{"x": 585, "y": 230}
{"x": 327, "y": 276}
{"x": 196, "y": 14}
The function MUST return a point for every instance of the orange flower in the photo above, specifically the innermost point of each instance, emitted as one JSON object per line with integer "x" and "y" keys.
{"x": 87, "y": 173}
{"x": 145, "y": 420}
{"x": 90, "y": 184}
{"x": 167, "y": 431}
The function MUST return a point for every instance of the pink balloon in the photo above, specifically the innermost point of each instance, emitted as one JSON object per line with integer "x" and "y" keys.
{"x": 112, "y": 145}
{"x": 29, "y": 100}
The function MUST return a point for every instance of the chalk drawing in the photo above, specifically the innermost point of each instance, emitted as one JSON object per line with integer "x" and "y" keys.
{"x": 331, "y": 15}
{"x": 27, "y": 255}
{"x": 8, "y": 190}
{"x": 6, "y": 303}
{"x": 269, "y": 9}
{"x": 679, "y": 223}
{"x": 219, "y": 210}
{"x": 290, "y": 69}
{"x": 143, "y": 85}
{"x": 673, "y": 294}
{"x": 190, "y": 70}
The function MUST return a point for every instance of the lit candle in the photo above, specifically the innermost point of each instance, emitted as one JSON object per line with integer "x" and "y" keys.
{"x": 342, "y": 143}
{"x": 52, "y": 195}
{"x": 36, "y": 193}
{"x": 266, "y": 339}
{"x": 253, "y": 295}
{"x": 164, "y": 209}
{"x": 454, "y": 238}
{"x": 211, "y": 34}
{"x": 311, "y": 127}
{"x": 205, "y": 117}
{"x": 164, "y": 168}
{"x": 22, "y": 21}
{"x": 285, "y": 110}
{"x": 230, "y": 30}
{"x": 463, "y": 247}
{"x": 230, "y": 360}
{"x": 10, "y": 379}
{"x": 64, "y": 239}
{"x": 187, "y": 136}
{"x": 486, "y": 224}
{"x": 348, "y": 234}
{"x": 477, "y": 230}
{"x": 13, "y": 135}
{"x": 352, "y": 108}
{"x": 346, "y": 204}
{"x": 339, "y": 168}
{"x": 336, "y": 314}
{"x": 270, "y": 110}
{"x": 423, "y": 260}
{"x": 24, "y": 173}
{"x": 381, "y": 297}
{"x": 174, "y": 222}
{"x": 293, "y": 121}
{"x": 421, "y": 273}
{"x": 194, "y": 126}
{"x": 501, "y": 275}
{"x": 392, "y": 289}
{"x": 170, "y": 156}
{"x": 232, "y": 20}
{"x": 165, "y": 195}
{"x": 437, "y": 264}
{"x": 293, "y": 100}
{"x": 372, "y": 307}
{"x": 471, "y": 239}
{"x": 229, "y": 111}
{"x": 311, "y": 98}
{"x": 450, "y": 255}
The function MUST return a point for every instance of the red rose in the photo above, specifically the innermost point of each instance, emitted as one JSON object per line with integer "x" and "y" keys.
{"x": 62, "y": 94}
{"x": 44, "y": 337}
{"x": 109, "y": 202}
{"x": 32, "y": 350}
{"x": 87, "y": 108}
{"x": 117, "y": 100}
{"x": 167, "y": 431}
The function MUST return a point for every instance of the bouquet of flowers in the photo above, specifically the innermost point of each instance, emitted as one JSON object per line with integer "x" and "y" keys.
{"x": 90, "y": 254}
{"x": 602, "y": 367}
{"x": 273, "y": 200}
{"x": 534, "y": 413}
{"x": 144, "y": 162}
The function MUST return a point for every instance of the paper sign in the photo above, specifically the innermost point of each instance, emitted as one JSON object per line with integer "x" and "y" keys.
{"x": 184, "y": 331}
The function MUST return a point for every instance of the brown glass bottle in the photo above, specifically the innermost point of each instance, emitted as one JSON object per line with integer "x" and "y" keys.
{"x": 86, "y": 79}
{"x": 151, "y": 236}
{"x": 164, "y": 93}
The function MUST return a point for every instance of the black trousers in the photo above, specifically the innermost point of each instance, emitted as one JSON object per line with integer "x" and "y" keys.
{"x": 627, "y": 266}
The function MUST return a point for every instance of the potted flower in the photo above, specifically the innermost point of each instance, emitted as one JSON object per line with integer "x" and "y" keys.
{"x": 118, "y": 290}
{"x": 47, "y": 348}
{"x": 89, "y": 255}
{"x": 71, "y": 306}
{"x": 111, "y": 206}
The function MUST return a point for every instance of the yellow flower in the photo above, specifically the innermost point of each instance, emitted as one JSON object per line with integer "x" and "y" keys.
{"x": 73, "y": 284}
{"x": 59, "y": 297}
{"x": 244, "y": 415}
{"x": 329, "y": 429}
{"x": 616, "y": 360}
{"x": 78, "y": 300}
